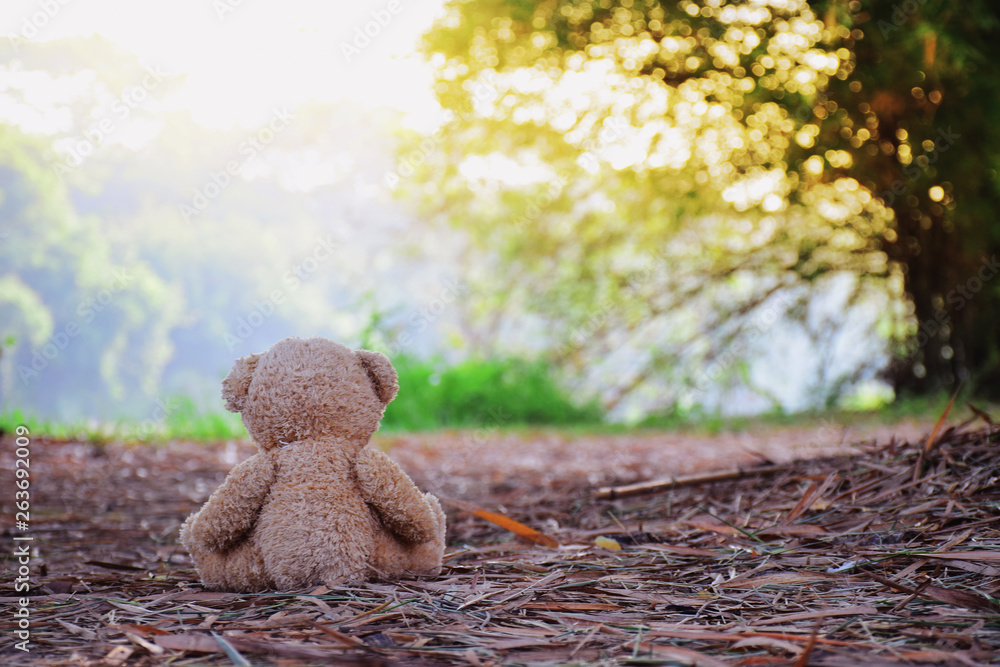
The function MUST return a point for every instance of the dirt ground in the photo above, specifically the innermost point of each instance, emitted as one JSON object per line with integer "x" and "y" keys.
{"x": 845, "y": 547}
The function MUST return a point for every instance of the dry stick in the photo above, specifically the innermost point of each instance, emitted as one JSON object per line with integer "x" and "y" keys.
{"x": 969, "y": 600}
{"x": 656, "y": 486}
{"x": 981, "y": 414}
{"x": 918, "y": 590}
{"x": 583, "y": 642}
{"x": 814, "y": 492}
{"x": 345, "y": 639}
{"x": 803, "y": 660}
{"x": 804, "y": 501}
{"x": 932, "y": 439}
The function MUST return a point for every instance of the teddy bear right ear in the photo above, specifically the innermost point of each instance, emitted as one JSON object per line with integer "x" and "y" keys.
{"x": 381, "y": 373}
{"x": 237, "y": 383}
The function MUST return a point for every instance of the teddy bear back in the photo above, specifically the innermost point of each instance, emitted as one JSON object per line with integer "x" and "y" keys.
{"x": 308, "y": 389}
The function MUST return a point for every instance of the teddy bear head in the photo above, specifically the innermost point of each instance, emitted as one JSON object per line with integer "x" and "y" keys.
{"x": 310, "y": 388}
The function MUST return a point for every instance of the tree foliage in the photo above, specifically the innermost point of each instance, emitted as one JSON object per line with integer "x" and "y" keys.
{"x": 99, "y": 176}
{"x": 67, "y": 307}
{"x": 662, "y": 182}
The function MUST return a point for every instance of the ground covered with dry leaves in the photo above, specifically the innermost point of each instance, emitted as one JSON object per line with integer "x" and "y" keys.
{"x": 821, "y": 552}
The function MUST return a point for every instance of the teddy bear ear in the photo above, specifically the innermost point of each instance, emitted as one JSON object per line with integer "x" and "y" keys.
{"x": 381, "y": 373}
{"x": 237, "y": 383}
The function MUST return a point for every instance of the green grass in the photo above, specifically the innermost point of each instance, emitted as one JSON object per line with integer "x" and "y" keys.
{"x": 10, "y": 420}
{"x": 187, "y": 421}
{"x": 495, "y": 393}
{"x": 490, "y": 393}
{"x": 502, "y": 395}
{"x": 923, "y": 408}
{"x": 180, "y": 420}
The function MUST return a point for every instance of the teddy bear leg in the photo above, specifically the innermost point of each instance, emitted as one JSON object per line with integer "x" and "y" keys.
{"x": 241, "y": 569}
{"x": 392, "y": 558}
{"x": 427, "y": 556}
{"x": 245, "y": 569}
{"x": 339, "y": 576}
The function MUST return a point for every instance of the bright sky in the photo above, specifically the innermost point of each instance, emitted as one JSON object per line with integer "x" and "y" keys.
{"x": 246, "y": 57}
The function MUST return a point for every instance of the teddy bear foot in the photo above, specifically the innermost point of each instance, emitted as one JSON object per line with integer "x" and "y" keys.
{"x": 392, "y": 558}
{"x": 240, "y": 570}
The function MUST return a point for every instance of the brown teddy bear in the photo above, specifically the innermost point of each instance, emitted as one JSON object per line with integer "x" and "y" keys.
{"x": 314, "y": 505}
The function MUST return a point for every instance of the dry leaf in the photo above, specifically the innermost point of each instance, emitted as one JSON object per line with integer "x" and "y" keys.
{"x": 983, "y": 556}
{"x": 776, "y": 579}
{"x": 607, "y": 543}
{"x": 196, "y": 643}
{"x": 86, "y": 633}
{"x": 933, "y": 437}
{"x": 505, "y": 522}
{"x": 570, "y": 606}
{"x": 118, "y": 655}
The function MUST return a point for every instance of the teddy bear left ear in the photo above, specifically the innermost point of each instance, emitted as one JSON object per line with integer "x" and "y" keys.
{"x": 381, "y": 373}
{"x": 237, "y": 383}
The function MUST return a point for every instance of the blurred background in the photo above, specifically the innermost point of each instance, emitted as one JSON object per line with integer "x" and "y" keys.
{"x": 555, "y": 212}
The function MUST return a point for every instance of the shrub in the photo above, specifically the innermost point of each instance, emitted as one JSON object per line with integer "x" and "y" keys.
{"x": 481, "y": 393}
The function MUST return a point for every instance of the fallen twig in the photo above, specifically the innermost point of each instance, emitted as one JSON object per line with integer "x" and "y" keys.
{"x": 656, "y": 486}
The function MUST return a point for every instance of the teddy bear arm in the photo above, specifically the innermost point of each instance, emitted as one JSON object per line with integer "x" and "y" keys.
{"x": 398, "y": 502}
{"x": 231, "y": 512}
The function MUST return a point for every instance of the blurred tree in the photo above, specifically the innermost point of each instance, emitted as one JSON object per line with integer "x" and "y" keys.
{"x": 74, "y": 316}
{"x": 220, "y": 260}
{"x": 919, "y": 118}
{"x": 669, "y": 179}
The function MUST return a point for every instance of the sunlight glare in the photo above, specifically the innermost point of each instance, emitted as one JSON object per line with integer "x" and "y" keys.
{"x": 246, "y": 59}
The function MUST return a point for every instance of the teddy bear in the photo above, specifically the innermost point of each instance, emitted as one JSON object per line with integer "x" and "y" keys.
{"x": 315, "y": 505}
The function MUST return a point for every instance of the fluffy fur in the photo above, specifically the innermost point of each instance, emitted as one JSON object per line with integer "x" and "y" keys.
{"x": 314, "y": 504}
